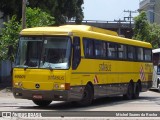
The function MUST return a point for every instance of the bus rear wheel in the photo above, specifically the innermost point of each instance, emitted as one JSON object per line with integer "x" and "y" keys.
{"x": 88, "y": 96}
{"x": 42, "y": 103}
{"x": 137, "y": 91}
{"x": 129, "y": 94}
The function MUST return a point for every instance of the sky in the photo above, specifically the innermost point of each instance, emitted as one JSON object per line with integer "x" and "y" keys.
{"x": 109, "y": 10}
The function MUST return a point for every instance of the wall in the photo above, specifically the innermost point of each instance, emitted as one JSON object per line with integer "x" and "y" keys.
{"x": 5, "y": 70}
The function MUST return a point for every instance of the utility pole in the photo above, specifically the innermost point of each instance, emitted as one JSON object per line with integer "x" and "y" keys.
{"x": 130, "y": 16}
{"x": 23, "y": 14}
{"x": 119, "y": 25}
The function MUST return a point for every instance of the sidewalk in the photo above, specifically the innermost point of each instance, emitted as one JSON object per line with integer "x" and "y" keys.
{"x": 6, "y": 87}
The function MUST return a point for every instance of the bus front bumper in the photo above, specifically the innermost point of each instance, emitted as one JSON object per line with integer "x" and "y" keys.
{"x": 56, "y": 95}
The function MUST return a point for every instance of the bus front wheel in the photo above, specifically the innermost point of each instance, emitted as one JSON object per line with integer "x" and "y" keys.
{"x": 88, "y": 96}
{"x": 42, "y": 103}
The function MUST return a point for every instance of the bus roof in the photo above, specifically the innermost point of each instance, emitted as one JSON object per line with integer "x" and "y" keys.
{"x": 65, "y": 29}
{"x": 156, "y": 50}
{"x": 89, "y": 30}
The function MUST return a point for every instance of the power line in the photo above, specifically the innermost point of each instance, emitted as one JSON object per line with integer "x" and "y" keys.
{"x": 130, "y": 16}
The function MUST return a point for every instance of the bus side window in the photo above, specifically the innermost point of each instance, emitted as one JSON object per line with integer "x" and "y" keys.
{"x": 131, "y": 53}
{"x": 148, "y": 55}
{"x": 112, "y": 50}
{"x": 76, "y": 53}
{"x": 122, "y": 51}
{"x": 140, "y": 54}
{"x": 88, "y": 47}
{"x": 100, "y": 49}
{"x": 158, "y": 69}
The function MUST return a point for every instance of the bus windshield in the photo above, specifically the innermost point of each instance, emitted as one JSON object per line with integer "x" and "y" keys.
{"x": 44, "y": 52}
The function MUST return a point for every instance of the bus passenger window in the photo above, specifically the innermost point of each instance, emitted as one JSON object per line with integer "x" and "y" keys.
{"x": 112, "y": 50}
{"x": 155, "y": 58}
{"x": 122, "y": 52}
{"x": 140, "y": 53}
{"x": 100, "y": 49}
{"x": 104, "y": 50}
{"x": 158, "y": 69}
{"x": 147, "y": 55}
{"x": 131, "y": 52}
{"x": 88, "y": 47}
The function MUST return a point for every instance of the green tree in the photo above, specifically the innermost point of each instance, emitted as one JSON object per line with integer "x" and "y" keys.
{"x": 141, "y": 29}
{"x": 35, "y": 17}
{"x": 11, "y": 7}
{"x": 62, "y": 10}
{"x": 154, "y": 35}
{"x": 145, "y": 31}
{"x": 9, "y": 37}
{"x": 67, "y": 9}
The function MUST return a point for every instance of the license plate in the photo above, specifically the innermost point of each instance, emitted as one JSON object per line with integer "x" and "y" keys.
{"x": 37, "y": 97}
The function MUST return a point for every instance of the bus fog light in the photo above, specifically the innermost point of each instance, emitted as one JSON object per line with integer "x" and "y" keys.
{"x": 20, "y": 84}
{"x": 56, "y": 86}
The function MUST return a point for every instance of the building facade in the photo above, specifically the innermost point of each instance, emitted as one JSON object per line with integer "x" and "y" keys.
{"x": 152, "y": 8}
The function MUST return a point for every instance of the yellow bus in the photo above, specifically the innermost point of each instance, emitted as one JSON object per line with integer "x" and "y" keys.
{"x": 79, "y": 63}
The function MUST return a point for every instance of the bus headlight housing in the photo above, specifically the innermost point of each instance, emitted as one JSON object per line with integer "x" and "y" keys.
{"x": 18, "y": 84}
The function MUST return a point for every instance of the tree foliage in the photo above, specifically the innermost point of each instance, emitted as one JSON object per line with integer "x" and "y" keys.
{"x": 141, "y": 29}
{"x": 154, "y": 35}
{"x": 9, "y": 37}
{"x": 62, "y": 10}
{"x": 145, "y": 31}
{"x": 35, "y": 17}
{"x": 11, "y": 7}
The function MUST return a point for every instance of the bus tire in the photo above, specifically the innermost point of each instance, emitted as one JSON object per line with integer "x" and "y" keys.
{"x": 158, "y": 83}
{"x": 42, "y": 103}
{"x": 129, "y": 94}
{"x": 137, "y": 91}
{"x": 88, "y": 95}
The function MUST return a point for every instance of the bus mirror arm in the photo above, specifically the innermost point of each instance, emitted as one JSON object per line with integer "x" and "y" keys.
{"x": 25, "y": 67}
{"x": 49, "y": 66}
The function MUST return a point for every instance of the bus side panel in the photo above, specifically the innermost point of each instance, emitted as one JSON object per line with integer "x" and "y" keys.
{"x": 111, "y": 77}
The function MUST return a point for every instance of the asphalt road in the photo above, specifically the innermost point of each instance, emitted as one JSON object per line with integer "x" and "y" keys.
{"x": 147, "y": 106}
